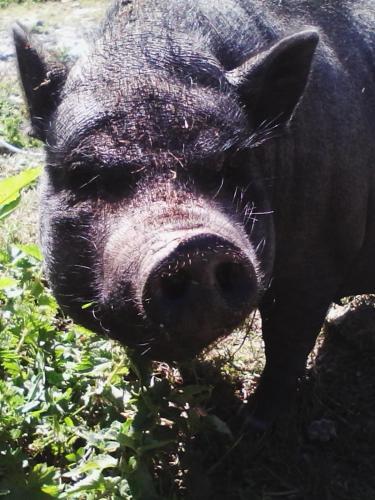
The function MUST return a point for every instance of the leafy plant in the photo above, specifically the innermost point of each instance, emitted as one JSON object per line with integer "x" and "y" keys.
{"x": 79, "y": 418}
{"x": 10, "y": 189}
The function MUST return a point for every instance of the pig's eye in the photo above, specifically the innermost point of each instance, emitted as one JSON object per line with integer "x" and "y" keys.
{"x": 209, "y": 170}
{"x": 116, "y": 183}
{"x": 81, "y": 181}
{"x": 84, "y": 182}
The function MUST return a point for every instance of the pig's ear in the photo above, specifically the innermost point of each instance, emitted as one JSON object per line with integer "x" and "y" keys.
{"x": 42, "y": 81}
{"x": 271, "y": 83}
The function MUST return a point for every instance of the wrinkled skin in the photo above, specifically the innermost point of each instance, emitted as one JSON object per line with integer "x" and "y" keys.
{"x": 204, "y": 159}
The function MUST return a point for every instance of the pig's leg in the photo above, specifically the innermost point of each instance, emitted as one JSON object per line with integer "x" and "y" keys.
{"x": 291, "y": 324}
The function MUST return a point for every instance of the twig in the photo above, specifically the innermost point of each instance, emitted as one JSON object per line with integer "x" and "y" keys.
{"x": 14, "y": 149}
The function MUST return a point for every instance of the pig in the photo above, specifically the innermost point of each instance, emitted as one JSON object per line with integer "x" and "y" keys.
{"x": 206, "y": 158}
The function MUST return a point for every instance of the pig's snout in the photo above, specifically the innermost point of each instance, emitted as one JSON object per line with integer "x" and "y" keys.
{"x": 203, "y": 287}
{"x": 217, "y": 272}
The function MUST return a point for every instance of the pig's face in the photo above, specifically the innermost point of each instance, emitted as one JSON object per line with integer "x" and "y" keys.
{"x": 151, "y": 211}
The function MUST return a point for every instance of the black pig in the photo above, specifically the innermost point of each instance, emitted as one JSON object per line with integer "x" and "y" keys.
{"x": 201, "y": 161}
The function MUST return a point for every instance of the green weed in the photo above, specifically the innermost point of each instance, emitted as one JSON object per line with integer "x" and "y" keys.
{"x": 80, "y": 419}
{"x": 10, "y": 190}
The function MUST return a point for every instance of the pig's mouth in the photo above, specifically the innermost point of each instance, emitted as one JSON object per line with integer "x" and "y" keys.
{"x": 159, "y": 344}
{"x": 167, "y": 349}
{"x": 171, "y": 346}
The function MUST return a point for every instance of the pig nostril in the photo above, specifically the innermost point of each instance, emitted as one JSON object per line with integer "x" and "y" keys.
{"x": 175, "y": 286}
{"x": 234, "y": 281}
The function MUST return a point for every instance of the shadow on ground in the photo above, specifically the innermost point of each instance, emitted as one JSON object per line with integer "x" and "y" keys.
{"x": 324, "y": 451}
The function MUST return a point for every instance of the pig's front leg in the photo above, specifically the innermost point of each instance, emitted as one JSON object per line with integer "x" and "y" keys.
{"x": 291, "y": 324}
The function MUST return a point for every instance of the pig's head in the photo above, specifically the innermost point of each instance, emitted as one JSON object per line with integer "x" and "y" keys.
{"x": 154, "y": 223}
